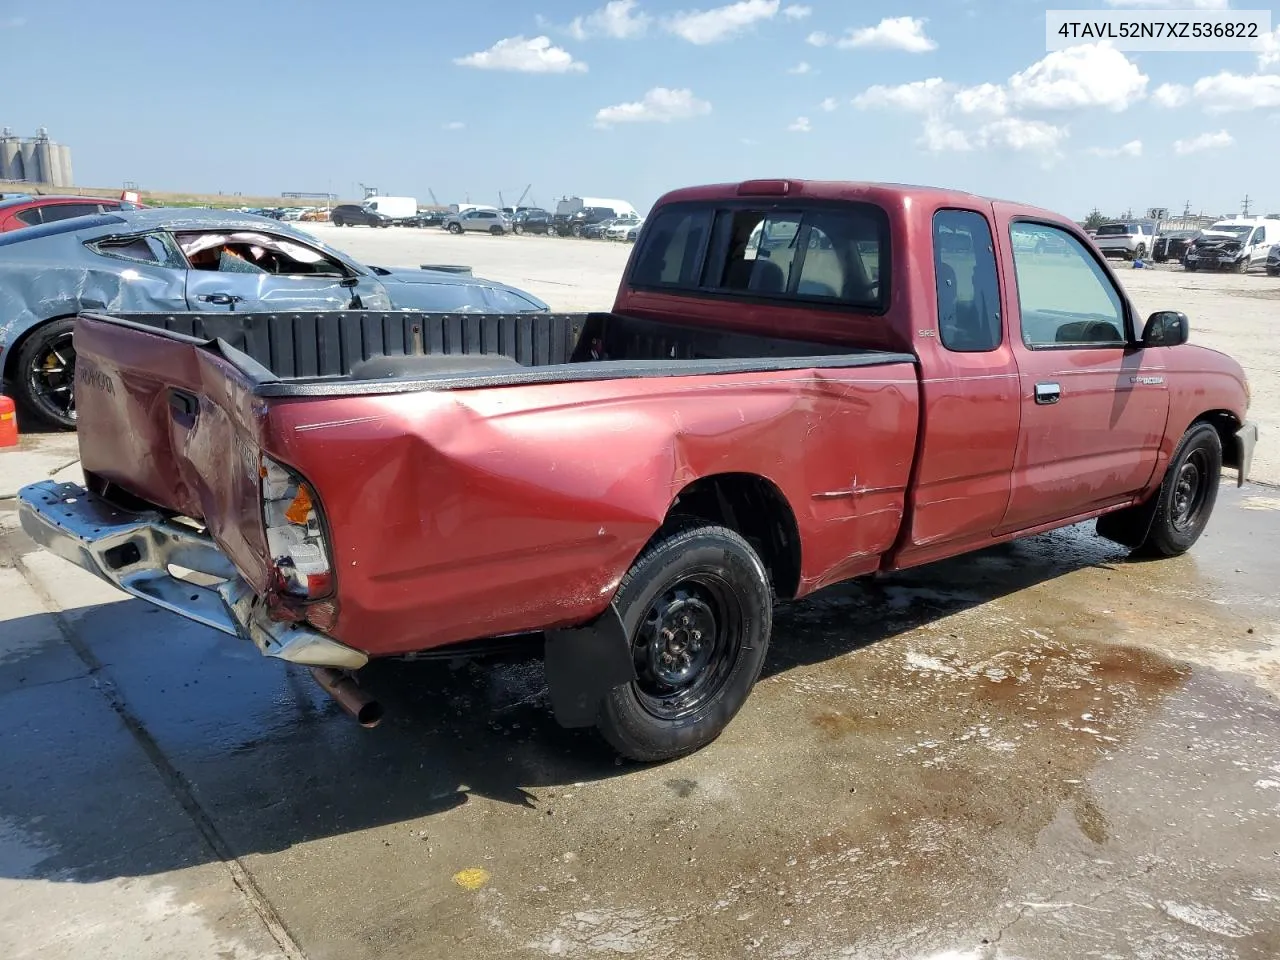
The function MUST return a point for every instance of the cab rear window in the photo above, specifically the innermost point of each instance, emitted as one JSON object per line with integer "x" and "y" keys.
{"x": 833, "y": 253}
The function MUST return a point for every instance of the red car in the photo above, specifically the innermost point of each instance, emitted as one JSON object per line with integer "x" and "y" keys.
{"x": 799, "y": 383}
{"x": 19, "y": 212}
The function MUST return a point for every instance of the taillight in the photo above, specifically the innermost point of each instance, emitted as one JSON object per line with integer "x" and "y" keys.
{"x": 295, "y": 535}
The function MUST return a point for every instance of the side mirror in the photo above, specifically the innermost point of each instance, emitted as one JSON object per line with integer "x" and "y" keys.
{"x": 1166, "y": 328}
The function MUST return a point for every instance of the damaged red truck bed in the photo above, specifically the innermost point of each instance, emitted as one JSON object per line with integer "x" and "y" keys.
{"x": 799, "y": 383}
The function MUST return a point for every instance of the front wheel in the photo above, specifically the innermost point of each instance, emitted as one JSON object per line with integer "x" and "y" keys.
{"x": 1187, "y": 495}
{"x": 698, "y": 612}
{"x": 47, "y": 374}
{"x": 517, "y": 230}
{"x": 455, "y": 228}
{"x": 1241, "y": 267}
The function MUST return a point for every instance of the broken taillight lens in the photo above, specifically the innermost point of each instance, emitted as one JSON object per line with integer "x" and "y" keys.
{"x": 295, "y": 534}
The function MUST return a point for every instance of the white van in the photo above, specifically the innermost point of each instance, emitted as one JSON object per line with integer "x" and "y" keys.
{"x": 1236, "y": 244}
{"x": 395, "y": 207}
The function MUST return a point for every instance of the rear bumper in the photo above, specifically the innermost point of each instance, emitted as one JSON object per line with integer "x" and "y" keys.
{"x": 134, "y": 551}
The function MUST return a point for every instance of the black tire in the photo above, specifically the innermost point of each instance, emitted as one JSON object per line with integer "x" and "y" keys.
{"x": 45, "y": 375}
{"x": 455, "y": 228}
{"x": 1187, "y": 496}
{"x": 1241, "y": 267}
{"x": 1140, "y": 252}
{"x": 339, "y": 223}
{"x": 517, "y": 230}
{"x": 1273, "y": 271}
{"x": 710, "y": 577}
{"x": 1190, "y": 267}
{"x": 495, "y": 231}
{"x": 576, "y": 230}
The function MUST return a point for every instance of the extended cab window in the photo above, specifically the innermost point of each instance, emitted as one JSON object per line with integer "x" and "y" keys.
{"x": 672, "y": 251}
{"x": 1064, "y": 296}
{"x": 968, "y": 289}
{"x": 829, "y": 254}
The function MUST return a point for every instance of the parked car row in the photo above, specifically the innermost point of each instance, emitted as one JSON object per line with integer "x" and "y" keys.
{"x": 1237, "y": 244}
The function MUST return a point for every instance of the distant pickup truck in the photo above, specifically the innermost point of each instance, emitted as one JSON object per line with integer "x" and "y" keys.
{"x": 799, "y": 383}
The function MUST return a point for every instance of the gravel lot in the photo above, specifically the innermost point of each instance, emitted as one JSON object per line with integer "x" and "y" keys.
{"x": 1228, "y": 312}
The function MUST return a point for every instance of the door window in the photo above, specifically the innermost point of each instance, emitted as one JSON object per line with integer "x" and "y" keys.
{"x": 65, "y": 211}
{"x": 1065, "y": 298}
{"x": 251, "y": 251}
{"x": 968, "y": 288}
{"x": 147, "y": 249}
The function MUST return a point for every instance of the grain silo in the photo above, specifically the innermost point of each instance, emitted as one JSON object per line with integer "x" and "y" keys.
{"x": 63, "y": 165}
{"x": 44, "y": 171}
{"x": 9, "y": 156}
{"x": 28, "y": 169}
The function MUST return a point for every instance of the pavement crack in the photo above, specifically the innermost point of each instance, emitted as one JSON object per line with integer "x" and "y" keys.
{"x": 179, "y": 786}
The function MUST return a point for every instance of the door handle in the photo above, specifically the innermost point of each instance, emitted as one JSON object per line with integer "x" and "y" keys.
{"x": 1047, "y": 393}
{"x": 221, "y": 299}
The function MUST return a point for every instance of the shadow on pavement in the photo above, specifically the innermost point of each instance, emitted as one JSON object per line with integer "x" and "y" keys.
{"x": 267, "y": 757}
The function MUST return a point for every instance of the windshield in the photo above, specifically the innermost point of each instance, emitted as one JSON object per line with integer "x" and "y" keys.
{"x": 1235, "y": 229}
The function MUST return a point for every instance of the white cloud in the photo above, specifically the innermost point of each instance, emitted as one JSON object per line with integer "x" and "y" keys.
{"x": 659, "y": 105}
{"x": 454, "y": 125}
{"x": 1206, "y": 141}
{"x": 818, "y": 39}
{"x": 1171, "y": 95}
{"x": 1131, "y": 149}
{"x": 894, "y": 33}
{"x": 1022, "y": 135}
{"x": 796, "y": 11}
{"x": 749, "y": 142}
{"x": 1226, "y": 92}
{"x": 800, "y": 125}
{"x": 941, "y": 137}
{"x": 830, "y": 104}
{"x": 535, "y": 55}
{"x": 721, "y": 23}
{"x": 1269, "y": 49}
{"x": 918, "y": 97}
{"x": 799, "y": 68}
{"x": 987, "y": 98}
{"x": 616, "y": 20}
{"x": 1089, "y": 75}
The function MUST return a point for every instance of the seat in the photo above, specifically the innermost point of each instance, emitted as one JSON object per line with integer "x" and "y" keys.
{"x": 768, "y": 277}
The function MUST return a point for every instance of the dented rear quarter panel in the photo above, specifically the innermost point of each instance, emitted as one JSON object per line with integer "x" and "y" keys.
{"x": 463, "y": 514}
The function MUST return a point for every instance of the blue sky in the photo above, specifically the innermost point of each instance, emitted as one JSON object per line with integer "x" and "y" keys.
{"x": 634, "y": 97}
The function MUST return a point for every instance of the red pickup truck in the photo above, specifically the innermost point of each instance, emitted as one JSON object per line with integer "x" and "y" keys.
{"x": 799, "y": 383}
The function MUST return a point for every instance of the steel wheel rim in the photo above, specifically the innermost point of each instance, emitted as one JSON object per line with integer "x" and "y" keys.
{"x": 52, "y": 377}
{"x": 1190, "y": 491}
{"x": 686, "y": 645}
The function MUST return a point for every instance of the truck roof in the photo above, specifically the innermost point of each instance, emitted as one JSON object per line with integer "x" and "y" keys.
{"x": 883, "y": 193}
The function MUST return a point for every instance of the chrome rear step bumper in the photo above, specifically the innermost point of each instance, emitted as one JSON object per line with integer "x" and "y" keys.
{"x": 134, "y": 551}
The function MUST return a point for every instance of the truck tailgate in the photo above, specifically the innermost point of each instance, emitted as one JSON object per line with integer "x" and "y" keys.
{"x": 176, "y": 425}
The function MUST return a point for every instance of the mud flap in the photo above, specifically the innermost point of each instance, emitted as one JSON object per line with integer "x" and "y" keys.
{"x": 583, "y": 664}
{"x": 1129, "y": 527}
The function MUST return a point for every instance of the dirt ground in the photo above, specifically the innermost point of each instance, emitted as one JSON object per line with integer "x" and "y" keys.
{"x": 1239, "y": 315}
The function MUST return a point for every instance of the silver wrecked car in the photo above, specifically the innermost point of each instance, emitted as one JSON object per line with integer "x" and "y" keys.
{"x": 161, "y": 260}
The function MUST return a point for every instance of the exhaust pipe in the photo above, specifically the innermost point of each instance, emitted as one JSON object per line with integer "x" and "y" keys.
{"x": 348, "y": 695}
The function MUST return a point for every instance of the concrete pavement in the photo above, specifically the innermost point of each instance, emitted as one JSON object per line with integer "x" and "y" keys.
{"x": 1045, "y": 750}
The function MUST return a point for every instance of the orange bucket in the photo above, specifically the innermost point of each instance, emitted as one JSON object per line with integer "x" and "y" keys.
{"x": 8, "y": 423}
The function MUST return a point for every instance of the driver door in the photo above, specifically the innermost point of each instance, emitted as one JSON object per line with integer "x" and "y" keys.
{"x": 249, "y": 269}
{"x": 1094, "y": 403}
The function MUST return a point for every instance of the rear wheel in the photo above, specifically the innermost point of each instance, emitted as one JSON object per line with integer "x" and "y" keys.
{"x": 1187, "y": 495}
{"x": 697, "y": 608}
{"x": 1141, "y": 252}
{"x": 46, "y": 374}
{"x": 496, "y": 231}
